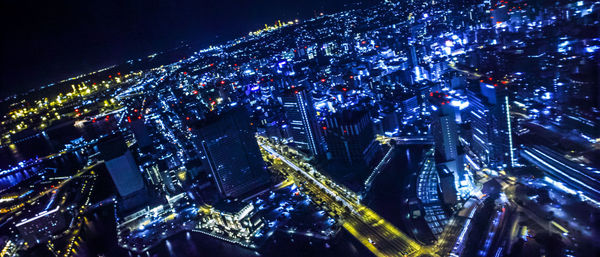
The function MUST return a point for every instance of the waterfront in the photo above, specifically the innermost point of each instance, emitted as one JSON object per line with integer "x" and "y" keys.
{"x": 98, "y": 237}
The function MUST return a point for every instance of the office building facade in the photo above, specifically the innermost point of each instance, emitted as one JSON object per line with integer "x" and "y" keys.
{"x": 302, "y": 120}
{"x": 232, "y": 154}
{"x": 490, "y": 119}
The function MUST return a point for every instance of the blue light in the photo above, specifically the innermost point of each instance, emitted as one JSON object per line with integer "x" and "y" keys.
{"x": 592, "y": 49}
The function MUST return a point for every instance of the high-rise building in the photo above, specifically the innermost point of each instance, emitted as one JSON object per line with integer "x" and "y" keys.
{"x": 232, "y": 154}
{"x": 443, "y": 127}
{"x": 491, "y": 124}
{"x": 124, "y": 172}
{"x": 448, "y": 157}
{"x": 140, "y": 132}
{"x": 350, "y": 137}
{"x": 302, "y": 119}
{"x": 447, "y": 183}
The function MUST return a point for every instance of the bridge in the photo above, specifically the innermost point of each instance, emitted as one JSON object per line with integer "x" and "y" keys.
{"x": 375, "y": 233}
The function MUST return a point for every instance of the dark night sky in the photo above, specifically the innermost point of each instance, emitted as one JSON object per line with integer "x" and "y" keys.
{"x": 47, "y": 41}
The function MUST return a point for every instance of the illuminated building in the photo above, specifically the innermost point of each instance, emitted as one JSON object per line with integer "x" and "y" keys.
{"x": 350, "y": 138}
{"x": 140, "y": 132}
{"x": 42, "y": 226}
{"x": 443, "y": 127}
{"x": 302, "y": 119}
{"x": 491, "y": 124}
{"x": 232, "y": 154}
{"x": 237, "y": 220}
{"x": 447, "y": 185}
{"x": 450, "y": 162}
{"x": 123, "y": 171}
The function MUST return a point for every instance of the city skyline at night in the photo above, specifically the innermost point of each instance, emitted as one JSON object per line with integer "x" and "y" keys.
{"x": 335, "y": 128}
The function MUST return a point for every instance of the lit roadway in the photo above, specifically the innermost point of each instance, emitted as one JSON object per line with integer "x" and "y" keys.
{"x": 54, "y": 189}
{"x": 378, "y": 235}
{"x": 452, "y": 65}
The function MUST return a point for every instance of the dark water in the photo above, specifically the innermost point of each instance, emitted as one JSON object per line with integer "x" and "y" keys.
{"x": 11, "y": 154}
{"x": 37, "y": 147}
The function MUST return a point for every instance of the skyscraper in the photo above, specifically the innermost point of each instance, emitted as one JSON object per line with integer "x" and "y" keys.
{"x": 490, "y": 119}
{"x": 449, "y": 162}
{"x": 232, "y": 154}
{"x": 123, "y": 171}
{"x": 350, "y": 137}
{"x": 443, "y": 127}
{"x": 140, "y": 131}
{"x": 302, "y": 119}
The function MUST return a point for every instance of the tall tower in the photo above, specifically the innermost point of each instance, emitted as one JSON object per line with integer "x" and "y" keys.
{"x": 124, "y": 172}
{"x": 491, "y": 123}
{"x": 302, "y": 119}
{"x": 350, "y": 137}
{"x": 140, "y": 131}
{"x": 232, "y": 154}
{"x": 449, "y": 163}
{"x": 443, "y": 127}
